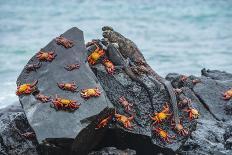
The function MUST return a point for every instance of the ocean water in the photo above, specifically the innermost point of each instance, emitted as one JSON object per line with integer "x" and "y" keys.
{"x": 174, "y": 35}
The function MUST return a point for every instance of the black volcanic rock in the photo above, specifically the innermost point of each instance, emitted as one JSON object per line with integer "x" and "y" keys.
{"x": 13, "y": 123}
{"x": 213, "y": 131}
{"x": 113, "y": 151}
{"x": 48, "y": 123}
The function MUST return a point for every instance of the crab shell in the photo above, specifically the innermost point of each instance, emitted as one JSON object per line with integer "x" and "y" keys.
{"x": 46, "y": 56}
{"x": 103, "y": 123}
{"x": 91, "y": 92}
{"x": 126, "y": 121}
{"x": 193, "y": 113}
{"x": 227, "y": 95}
{"x": 125, "y": 103}
{"x": 72, "y": 67}
{"x": 65, "y": 104}
{"x": 26, "y": 88}
{"x": 163, "y": 135}
{"x": 43, "y": 98}
{"x": 67, "y": 86}
{"x": 109, "y": 66}
{"x": 179, "y": 128}
{"x": 64, "y": 42}
{"x": 161, "y": 116}
{"x": 95, "y": 56}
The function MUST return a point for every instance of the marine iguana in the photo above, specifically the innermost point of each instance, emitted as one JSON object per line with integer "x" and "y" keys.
{"x": 120, "y": 62}
{"x": 128, "y": 49}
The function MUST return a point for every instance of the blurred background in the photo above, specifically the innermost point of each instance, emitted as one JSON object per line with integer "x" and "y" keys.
{"x": 174, "y": 35}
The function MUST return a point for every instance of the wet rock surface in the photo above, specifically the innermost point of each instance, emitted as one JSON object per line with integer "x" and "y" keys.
{"x": 213, "y": 131}
{"x": 13, "y": 123}
{"x": 63, "y": 132}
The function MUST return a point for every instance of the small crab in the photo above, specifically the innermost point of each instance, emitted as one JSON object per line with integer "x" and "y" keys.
{"x": 95, "y": 55}
{"x": 178, "y": 91}
{"x": 163, "y": 135}
{"x": 125, "y": 103}
{"x": 33, "y": 67}
{"x": 126, "y": 121}
{"x": 193, "y": 113}
{"x": 26, "y": 88}
{"x": 110, "y": 68}
{"x": 184, "y": 102}
{"x": 104, "y": 122}
{"x": 45, "y": 56}
{"x": 179, "y": 128}
{"x": 183, "y": 78}
{"x": 71, "y": 67}
{"x": 28, "y": 135}
{"x": 65, "y": 104}
{"x": 161, "y": 116}
{"x": 68, "y": 86}
{"x": 64, "y": 42}
{"x": 43, "y": 98}
{"x": 91, "y": 92}
{"x": 228, "y": 94}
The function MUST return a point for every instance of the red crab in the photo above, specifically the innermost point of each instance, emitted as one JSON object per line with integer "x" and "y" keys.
{"x": 45, "y": 56}
{"x": 193, "y": 113}
{"x": 64, "y": 42}
{"x": 91, "y": 92}
{"x": 28, "y": 135}
{"x": 125, "y": 103}
{"x": 33, "y": 67}
{"x": 65, "y": 104}
{"x": 110, "y": 68}
{"x": 72, "y": 67}
{"x": 126, "y": 121}
{"x": 104, "y": 122}
{"x": 43, "y": 98}
{"x": 68, "y": 86}
{"x": 228, "y": 94}
{"x": 26, "y": 88}
{"x": 163, "y": 135}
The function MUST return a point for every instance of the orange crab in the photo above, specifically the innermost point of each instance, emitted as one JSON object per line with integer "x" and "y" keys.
{"x": 45, "y": 56}
{"x": 64, "y": 42}
{"x": 125, "y": 103}
{"x": 193, "y": 113}
{"x": 91, "y": 92}
{"x": 67, "y": 86}
{"x": 228, "y": 94}
{"x": 179, "y": 128}
{"x": 95, "y": 55}
{"x": 104, "y": 122}
{"x": 163, "y": 135}
{"x": 161, "y": 116}
{"x": 65, "y": 104}
{"x": 26, "y": 88}
{"x": 126, "y": 121}
{"x": 110, "y": 68}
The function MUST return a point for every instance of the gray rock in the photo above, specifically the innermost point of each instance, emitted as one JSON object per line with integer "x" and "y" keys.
{"x": 48, "y": 123}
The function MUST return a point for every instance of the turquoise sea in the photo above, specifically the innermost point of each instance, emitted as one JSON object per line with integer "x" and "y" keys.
{"x": 181, "y": 36}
